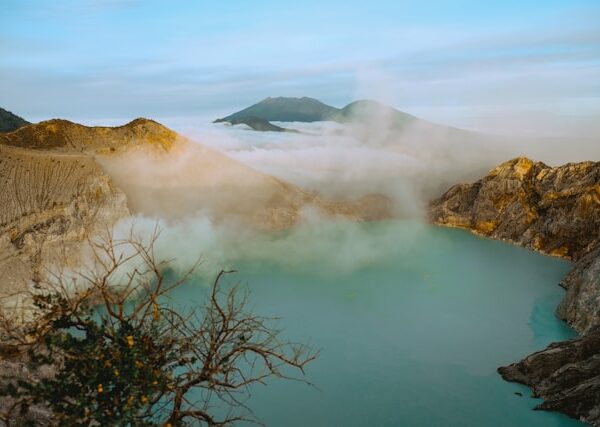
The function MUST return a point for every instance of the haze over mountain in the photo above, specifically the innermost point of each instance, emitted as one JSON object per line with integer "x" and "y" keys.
{"x": 10, "y": 121}
{"x": 364, "y": 147}
{"x": 307, "y": 110}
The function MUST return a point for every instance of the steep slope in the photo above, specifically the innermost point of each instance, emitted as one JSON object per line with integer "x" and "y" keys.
{"x": 193, "y": 179}
{"x": 48, "y": 204}
{"x": 54, "y": 194}
{"x": 555, "y": 211}
{"x": 552, "y": 210}
{"x": 566, "y": 375}
{"x": 61, "y": 181}
{"x": 10, "y": 121}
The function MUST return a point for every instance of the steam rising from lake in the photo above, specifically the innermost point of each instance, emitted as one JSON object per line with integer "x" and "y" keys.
{"x": 342, "y": 161}
{"x": 333, "y": 247}
{"x": 412, "y": 164}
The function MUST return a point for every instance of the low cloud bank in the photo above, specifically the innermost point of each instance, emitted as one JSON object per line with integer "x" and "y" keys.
{"x": 412, "y": 163}
{"x": 336, "y": 247}
{"x": 194, "y": 193}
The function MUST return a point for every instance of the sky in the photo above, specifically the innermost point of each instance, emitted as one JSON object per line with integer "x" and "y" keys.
{"x": 525, "y": 66}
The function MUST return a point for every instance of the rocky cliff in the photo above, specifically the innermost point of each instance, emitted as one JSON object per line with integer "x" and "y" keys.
{"x": 552, "y": 210}
{"x": 54, "y": 194}
{"x": 566, "y": 375}
{"x": 556, "y": 211}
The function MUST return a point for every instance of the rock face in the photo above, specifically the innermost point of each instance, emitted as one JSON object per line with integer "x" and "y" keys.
{"x": 552, "y": 210}
{"x": 581, "y": 305}
{"x": 54, "y": 194}
{"x": 49, "y": 203}
{"x": 555, "y": 211}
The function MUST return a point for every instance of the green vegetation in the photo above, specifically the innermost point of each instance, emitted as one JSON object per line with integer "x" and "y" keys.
{"x": 10, "y": 121}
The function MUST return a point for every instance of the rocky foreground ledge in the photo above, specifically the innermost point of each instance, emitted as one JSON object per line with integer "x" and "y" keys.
{"x": 556, "y": 211}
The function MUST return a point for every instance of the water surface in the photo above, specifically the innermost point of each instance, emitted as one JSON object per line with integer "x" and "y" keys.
{"x": 411, "y": 327}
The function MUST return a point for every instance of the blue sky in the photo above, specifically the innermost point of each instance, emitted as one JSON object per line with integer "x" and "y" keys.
{"x": 469, "y": 63}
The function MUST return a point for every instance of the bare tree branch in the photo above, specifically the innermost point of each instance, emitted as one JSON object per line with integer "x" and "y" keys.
{"x": 135, "y": 356}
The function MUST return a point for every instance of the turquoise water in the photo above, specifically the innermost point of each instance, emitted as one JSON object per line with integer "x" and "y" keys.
{"x": 412, "y": 322}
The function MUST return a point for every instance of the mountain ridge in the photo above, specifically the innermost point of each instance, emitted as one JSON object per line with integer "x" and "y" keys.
{"x": 10, "y": 121}
{"x": 307, "y": 110}
{"x": 285, "y": 109}
{"x": 64, "y": 135}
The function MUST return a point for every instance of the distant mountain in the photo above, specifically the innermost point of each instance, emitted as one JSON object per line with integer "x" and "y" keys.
{"x": 365, "y": 110}
{"x": 255, "y": 123}
{"x": 312, "y": 110}
{"x": 10, "y": 121}
{"x": 282, "y": 109}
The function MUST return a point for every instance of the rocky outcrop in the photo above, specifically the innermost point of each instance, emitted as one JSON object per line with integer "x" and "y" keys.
{"x": 552, "y": 210}
{"x": 566, "y": 375}
{"x": 581, "y": 305}
{"x": 555, "y": 211}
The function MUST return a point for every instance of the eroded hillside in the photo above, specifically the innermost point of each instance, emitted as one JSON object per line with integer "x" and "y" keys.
{"x": 193, "y": 179}
{"x": 60, "y": 182}
{"x": 49, "y": 202}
